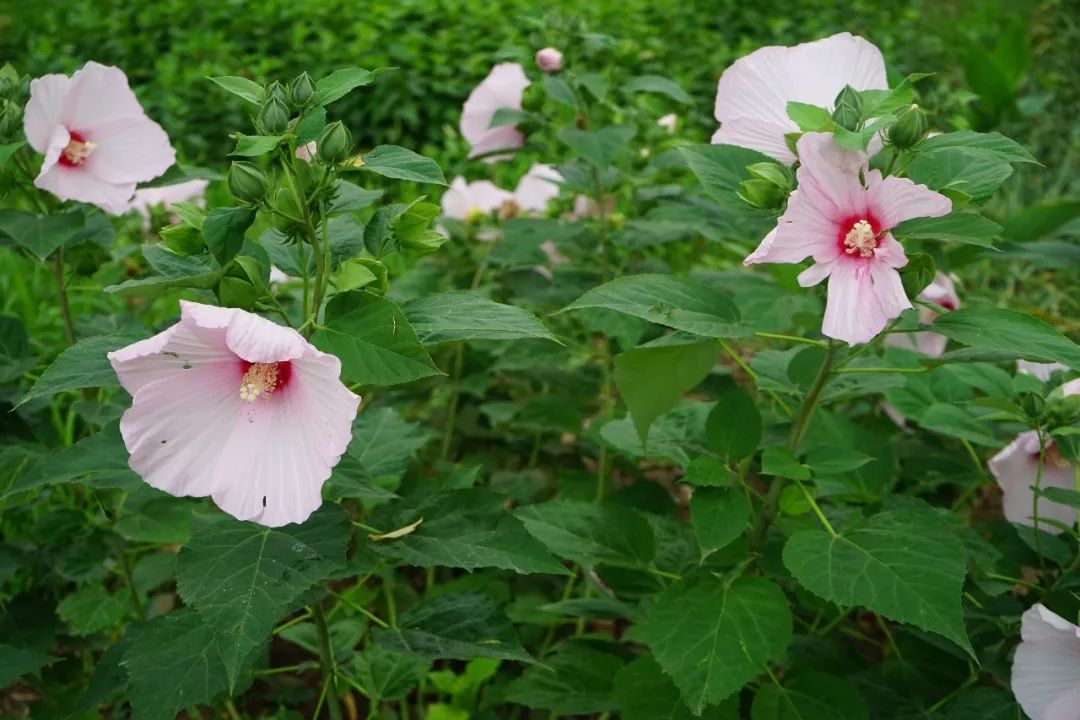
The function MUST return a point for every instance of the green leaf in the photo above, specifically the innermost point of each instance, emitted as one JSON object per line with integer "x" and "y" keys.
{"x": 254, "y": 145}
{"x": 1012, "y": 333}
{"x": 382, "y": 446}
{"x": 464, "y": 529}
{"x": 15, "y": 355}
{"x": 676, "y": 302}
{"x": 831, "y": 459}
{"x": 100, "y": 459}
{"x": 652, "y": 379}
{"x": 16, "y": 662}
{"x": 591, "y": 534}
{"x": 575, "y": 680}
{"x": 457, "y": 316}
{"x": 165, "y": 520}
{"x": 341, "y": 82}
{"x": 374, "y": 340}
{"x": 733, "y": 428}
{"x": 990, "y": 143}
{"x": 809, "y": 696}
{"x": 241, "y": 577}
{"x": 961, "y": 227}
{"x": 351, "y": 197}
{"x": 906, "y": 565}
{"x": 778, "y": 461}
{"x": 1061, "y": 495}
{"x": 1039, "y": 221}
{"x": 658, "y": 84}
{"x": 457, "y": 626}
{"x": 712, "y": 637}
{"x": 196, "y": 271}
{"x": 644, "y": 692}
{"x": 403, "y": 164}
{"x": 310, "y": 126}
{"x": 721, "y": 169}
{"x": 172, "y": 663}
{"x": 985, "y": 703}
{"x": 7, "y": 150}
{"x": 596, "y": 147}
{"x": 559, "y": 90}
{"x": 383, "y": 674}
{"x": 41, "y": 234}
{"x": 956, "y": 422}
{"x": 249, "y": 90}
{"x": 810, "y": 118}
{"x": 719, "y": 516}
{"x": 91, "y": 609}
{"x": 224, "y": 230}
{"x": 82, "y": 365}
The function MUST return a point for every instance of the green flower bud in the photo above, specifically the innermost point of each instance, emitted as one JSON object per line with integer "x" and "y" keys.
{"x": 302, "y": 91}
{"x": 423, "y": 242}
{"x": 848, "y": 108}
{"x": 182, "y": 239}
{"x": 10, "y": 119}
{"x": 779, "y": 175}
{"x": 1033, "y": 406}
{"x": 533, "y": 98}
{"x": 910, "y": 129}
{"x": 237, "y": 292}
{"x": 334, "y": 143}
{"x": 273, "y": 117}
{"x": 287, "y": 213}
{"x": 276, "y": 90}
{"x": 247, "y": 182}
{"x": 761, "y": 194}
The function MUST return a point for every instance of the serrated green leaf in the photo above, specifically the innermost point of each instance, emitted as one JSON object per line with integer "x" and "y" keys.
{"x": 721, "y": 169}
{"x": 41, "y": 234}
{"x": 712, "y": 637}
{"x": 101, "y": 459}
{"x": 458, "y": 316}
{"x": 254, "y": 145}
{"x": 962, "y": 227}
{"x": 1012, "y": 333}
{"x": 905, "y": 565}
{"x": 165, "y": 520}
{"x": 83, "y": 365}
{"x": 242, "y": 577}
{"x": 597, "y": 147}
{"x": 644, "y": 692}
{"x": 341, "y": 82}
{"x": 719, "y": 516}
{"x": 223, "y": 231}
{"x": 658, "y": 84}
{"x": 809, "y": 118}
{"x": 588, "y": 533}
{"x": 91, "y": 609}
{"x": 249, "y": 90}
{"x": 956, "y": 422}
{"x": 733, "y": 428}
{"x": 16, "y": 662}
{"x": 383, "y": 674}
{"x": 575, "y": 680}
{"x": 676, "y": 302}
{"x": 374, "y": 340}
{"x": 809, "y": 696}
{"x": 458, "y": 626}
{"x": 401, "y": 163}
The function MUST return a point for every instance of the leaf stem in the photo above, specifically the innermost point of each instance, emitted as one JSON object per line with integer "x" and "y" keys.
{"x": 455, "y": 399}
{"x": 1035, "y": 499}
{"x": 61, "y": 291}
{"x": 360, "y": 609}
{"x": 329, "y": 664}
{"x": 881, "y": 370}
{"x": 793, "y": 338}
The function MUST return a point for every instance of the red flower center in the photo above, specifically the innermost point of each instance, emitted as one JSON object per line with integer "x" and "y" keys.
{"x": 77, "y": 150}
{"x": 261, "y": 380}
{"x": 858, "y": 235}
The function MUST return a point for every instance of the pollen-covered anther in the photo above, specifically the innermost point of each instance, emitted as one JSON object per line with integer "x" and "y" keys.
{"x": 259, "y": 381}
{"x": 76, "y": 151}
{"x": 860, "y": 239}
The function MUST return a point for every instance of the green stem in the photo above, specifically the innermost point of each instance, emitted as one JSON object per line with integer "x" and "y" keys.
{"x": 329, "y": 664}
{"x": 320, "y": 250}
{"x": 881, "y": 370}
{"x": 975, "y": 486}
{"x": 1035, "y": 499}
{"x": 230, "y": 708}
{"x": 793, "y": 338}
{"x": 361, "y": 609}
{"x": 455, "y": 398}
{"x": 61, "y": 290}
{"x": 129, "y": 579}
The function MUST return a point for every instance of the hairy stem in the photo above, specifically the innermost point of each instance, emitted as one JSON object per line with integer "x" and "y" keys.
{"x": 329, "y": 664}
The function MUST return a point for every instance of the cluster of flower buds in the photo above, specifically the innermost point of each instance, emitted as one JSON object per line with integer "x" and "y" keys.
{"x": 13, "y": 92}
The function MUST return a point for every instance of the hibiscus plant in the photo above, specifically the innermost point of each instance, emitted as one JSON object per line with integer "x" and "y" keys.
{"x": 317, "y": 433}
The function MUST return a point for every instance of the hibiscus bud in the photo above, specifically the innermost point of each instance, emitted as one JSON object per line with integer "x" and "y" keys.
{"x": 910, "y": 129}
{"x": 335, "y": 143}
{"x": 779, "y": 175}
{"x": 1033, "y": 405}
{"x": 273, "y": 117}
{"x": 848, "y": 112}
{"x": 302, "y": 91}
{"x": 423, "y": 242}
{"x": 761, "y": 194}
{"x": 10, "y": 119}
{"x": 287, "y": 210}
{"x": 549, "y": 60}
{"x": 182, "y": 239}
{"x": 276, "y": 90}
{"x": 532, "y": 98}
{"x": 247, "y": 182}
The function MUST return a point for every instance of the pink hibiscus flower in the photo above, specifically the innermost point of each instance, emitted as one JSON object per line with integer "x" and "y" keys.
{"x": 843, "y": 223}
{"x": 230, "y": 405}
{"x": 1046, "y": 668}
{"x": 465, "y": 200}
{"x": 97, "y": 141}
{"x": 942, "y": 291}
{"x": 502, "y": 88}
{"x": 537, "y": 188}
{"x": 752, "y": 95}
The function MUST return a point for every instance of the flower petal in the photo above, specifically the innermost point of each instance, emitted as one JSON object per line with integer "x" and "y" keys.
{"x": 1015, "y": 469}
{"x": 285, "y": 449}
{"x": 537, "y": 188}
{"x": 74, "y": 183}
{"x": 170, "y": 355}
{"x": 761, "y": 135}
{"x": 828, "y": 177}
{"x": 43, "y": 111}
{"x": 166, "y": 195}
{"x": 503, "y": 87}
{"x": 501, "y": 138}
{"x": 1046, "y": 668}
{"x": 894, "y": 199}
{"x": 252, "y": 338}
{"x": 98, "y": 96}
{"x": 131, "y": 150}
{"x": 853, "y": 312}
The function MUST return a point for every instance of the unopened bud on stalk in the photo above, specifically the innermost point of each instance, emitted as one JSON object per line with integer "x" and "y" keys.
{"x": 247, "y": 182}
{"x": 182, "y": 239}
{"x": 274, "y": 117}
{"x": 848, "y": 108}
{"x": 334, "y": 144}
{"x": 761, "y": 194}
{"x": 910, "y": 129}
{"x": 302, "y": 91}
{"x": 549, "y": 60}
{"x": 275, "y": 90}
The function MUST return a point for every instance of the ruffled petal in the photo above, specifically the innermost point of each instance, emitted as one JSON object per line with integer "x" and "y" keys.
{"x": 74, "y": 183}
{"x": 250, "y": 337}
{"x": 278, "y": 458}
{"x": 455, "y": 201}
{"x": 806, "y": 229}
{"x": 816, "y": 273}
{"x": 42, "y": 114}
{"x": 537, "y": 188}
{"x": 853, "y": 312}
{"x": 170, "y": 355}
{"x": 764, "y": 136}
{"x": 99, "y": 95}
{"x": 1046, "y": 668}
{"x": 131, "y": 150}
{"x": 888, "y": 289}
{"x": 503, "y": 87}
{"x": 507, "y": 137}
{"x": 828, "y": 177}
{"x": 895, "y": 199}
{"x": 1015, "y": 469}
